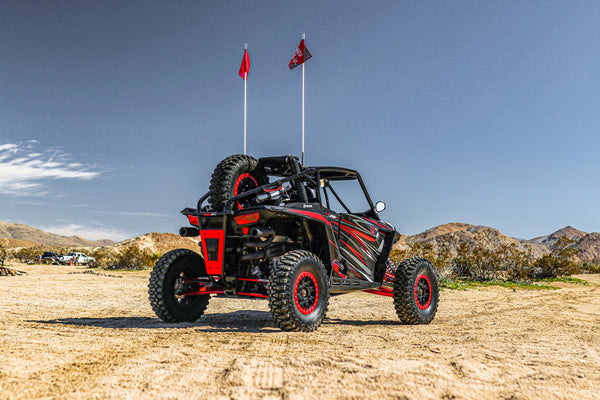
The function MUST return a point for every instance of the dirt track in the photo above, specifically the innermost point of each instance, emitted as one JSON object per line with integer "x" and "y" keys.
{"x": 88, "y": 336}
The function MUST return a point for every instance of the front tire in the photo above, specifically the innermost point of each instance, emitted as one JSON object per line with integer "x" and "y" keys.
{"x": 416, "y": 291}
{"x": 299, "y": 291}
{"x": 167, "y": 283}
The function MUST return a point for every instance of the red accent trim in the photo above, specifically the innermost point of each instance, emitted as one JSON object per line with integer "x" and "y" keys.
{"x": 378, "y": 224}
{"x": 213, "y": 267}
{"x": 336, "y": 268}
{"x": 359, "y": 233}
{"x": 311, "y": 214}
{"x": 204, "y": 290}
{"x": 360, "y": 242}
{"x": 193, "y": 219}
{"x": 385, "y": 289}
{"x": 308, "y": 274}
{"x": 379, "y": 292}
{"x": 273, "y": 190}
{"x": 423, "y": 276}
{"x": 356, "y": 253}
{"x": 262, "y": 296}
{"x": 247, "y": 218}
{"x": 239, "y": 180}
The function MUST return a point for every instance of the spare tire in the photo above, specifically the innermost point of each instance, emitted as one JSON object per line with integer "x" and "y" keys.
{"x": 235, "y": 175}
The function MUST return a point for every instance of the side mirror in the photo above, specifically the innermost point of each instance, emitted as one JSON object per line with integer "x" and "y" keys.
{"x": 380, "y": 206}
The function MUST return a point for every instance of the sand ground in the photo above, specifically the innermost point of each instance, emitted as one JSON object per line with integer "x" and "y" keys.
{"x": 75, "y": 336}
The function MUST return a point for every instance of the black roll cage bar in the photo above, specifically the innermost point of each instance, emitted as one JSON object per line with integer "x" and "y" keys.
{"x": 322, "y": 174}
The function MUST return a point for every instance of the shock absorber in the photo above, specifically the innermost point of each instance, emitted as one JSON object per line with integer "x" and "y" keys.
{"x": 299, "y": 185}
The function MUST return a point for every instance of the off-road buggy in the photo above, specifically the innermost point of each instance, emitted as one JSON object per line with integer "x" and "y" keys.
{"x": 270, "y": 228}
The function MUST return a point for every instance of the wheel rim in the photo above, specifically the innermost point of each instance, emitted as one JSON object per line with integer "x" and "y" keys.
{"x": 306, "y": 292}
{"x": 423, "y": 291}
{"x": 244, "y": 183}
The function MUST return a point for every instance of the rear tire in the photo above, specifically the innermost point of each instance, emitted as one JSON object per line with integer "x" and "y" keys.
{"x": 416, "y": 291}
{"x": 235, "y": 175}
{"x": 166, "y": 284}
{"x": 298, "y": 291}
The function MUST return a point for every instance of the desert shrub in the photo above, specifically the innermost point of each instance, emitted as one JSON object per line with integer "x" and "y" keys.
{"x": 558, "y": 263}
{"x": 515, "y": 264}
{"x": 28, "y": 254}
{"x": 397, "y": 255}
{"x": 154, "y": 257}
{"x": 4, "y": 254}
{"x": 553, "y": 266}
{"x": 507, "y": 262}
{"x": 103, "y": 258}
{"x": 591, "y": 268}
{"x": 131, "y": 258}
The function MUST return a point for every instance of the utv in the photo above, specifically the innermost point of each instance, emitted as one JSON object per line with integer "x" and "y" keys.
{"x": 292, "y": 240}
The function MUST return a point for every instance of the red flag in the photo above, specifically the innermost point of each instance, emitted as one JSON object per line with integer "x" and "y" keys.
{"x": 245, "y": 67}
{"x": 300, "y": 55}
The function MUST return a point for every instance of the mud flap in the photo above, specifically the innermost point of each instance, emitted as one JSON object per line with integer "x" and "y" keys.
{"x": 213, "y": 248}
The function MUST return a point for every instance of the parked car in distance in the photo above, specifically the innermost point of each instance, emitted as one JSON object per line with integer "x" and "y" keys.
{"x": 76, "y": 258}
{"x": 49, "y": 257}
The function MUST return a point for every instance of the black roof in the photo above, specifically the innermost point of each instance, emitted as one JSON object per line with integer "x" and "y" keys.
{"x": 285, "y": 166}
{"x": 336, "y": 173}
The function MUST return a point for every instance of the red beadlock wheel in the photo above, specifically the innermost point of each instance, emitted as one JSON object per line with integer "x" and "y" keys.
{"x": 306, "y": 292}
{"x": 298, "y": 291}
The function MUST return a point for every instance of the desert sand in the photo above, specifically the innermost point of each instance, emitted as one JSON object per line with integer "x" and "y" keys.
{"x": 78, "y": 335}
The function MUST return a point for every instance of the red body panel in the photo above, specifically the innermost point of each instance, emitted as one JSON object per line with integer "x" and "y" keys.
{"x": 213, "y": 257}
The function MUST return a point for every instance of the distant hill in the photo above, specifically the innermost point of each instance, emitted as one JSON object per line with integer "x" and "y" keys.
{"x": 20, "y": 235}
{"x": 569, "y": 232}
{"x": 159, "y": 242}
{"x": 12, "y": 243}
{"x": 26, "y": 236}
{"x": 447, "y": 237}
{"x": 450, "y": 236}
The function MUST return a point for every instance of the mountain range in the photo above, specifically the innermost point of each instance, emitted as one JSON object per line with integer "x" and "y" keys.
{"x": 447, "y": 236}
{"x": 20, "y": 235}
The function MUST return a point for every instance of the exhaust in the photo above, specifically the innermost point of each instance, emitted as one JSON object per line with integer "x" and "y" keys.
{"x": 188, "y": 232}
{"x": 274, "y": 251}
{"x": 260, "y": 232}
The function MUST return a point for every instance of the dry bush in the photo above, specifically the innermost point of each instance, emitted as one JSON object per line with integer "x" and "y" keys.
{"x": 561, "y": 262}
{"x": 507, "y": 262}
{"x": 4, "y": 254}
{"x": 131, "y": 258}
{"x": 591, "y": 268}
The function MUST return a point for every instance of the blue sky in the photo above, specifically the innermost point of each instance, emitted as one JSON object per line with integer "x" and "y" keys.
{"x": 113, "y": 114}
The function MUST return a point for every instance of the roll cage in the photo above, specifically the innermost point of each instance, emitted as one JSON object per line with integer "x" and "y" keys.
{"x": 304, "y": 185}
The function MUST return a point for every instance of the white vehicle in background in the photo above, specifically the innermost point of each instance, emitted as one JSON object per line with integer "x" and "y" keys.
{"x": 76, "y": 258}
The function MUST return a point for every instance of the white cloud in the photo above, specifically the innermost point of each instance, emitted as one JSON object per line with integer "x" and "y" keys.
{"x": 25, "y": 171}
{"x": 90, "y": 232}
